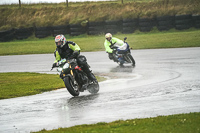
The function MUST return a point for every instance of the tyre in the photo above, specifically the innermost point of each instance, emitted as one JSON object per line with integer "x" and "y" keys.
{"x": 113, "y": 22}
{"x": 113, "y": 31}
{"x": 145, "y": 24}
{"x": 91, "y": 24}
{"x": 184, "y": 21}
{"x": 7, "y": 35}
{"x": 111, "y": 27}
{"x": 57, "y": 32}
{"x": 71, "y": 86}
{"x": 41, "y": 36}
{"x": 129, "y": 59}
{"x": 197, "y": 23}
{"x": 94, "y": 28}
{"x": 41, "y": 32}
{"x": 145, "y": 29}
{"x": 77, "y": 29}
{"x": 134, "y": 20}
{"x": 183, "y": 17}
{"x": 61, "y": 27}
{"x": 48, "y": 28}
{"x": 93, "y": 88}
{"x": 164, "y": 23}
{"x": 21, "y": 37}
{"x": 165, "y": 18}
{"x": 76, "y": 33}
{"x": 129, "y": 24}
{"x": 94, "y": 32}
{"x": 128, "y": 30}
{"x": 144, "y": 20}
{"x": 7, "y": 38}
{"x": 6, "y": 32}
{"x": 196, "y": 17}
{"x": 162, "y": 28}
{"x": 197, "y": 26}
{"x": 182, "y": 27}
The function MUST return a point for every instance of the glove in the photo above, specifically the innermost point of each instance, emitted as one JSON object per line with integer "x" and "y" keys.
{"x": 55, "y": 65}
{"x": 114, "y": 51}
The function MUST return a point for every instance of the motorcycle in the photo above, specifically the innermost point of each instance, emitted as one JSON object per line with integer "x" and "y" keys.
{"x": 75, "y": 79}
{"x": 123, "y": 57}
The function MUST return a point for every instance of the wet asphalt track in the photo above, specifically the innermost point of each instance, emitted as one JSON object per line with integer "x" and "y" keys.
{"x": 164, "y": 82}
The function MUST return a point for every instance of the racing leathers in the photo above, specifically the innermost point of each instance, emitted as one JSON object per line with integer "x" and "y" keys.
{"x": 72, "y": 50}
{"x": 116, "y": 43}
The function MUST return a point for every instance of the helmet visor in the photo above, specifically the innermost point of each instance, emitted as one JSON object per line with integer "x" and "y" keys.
{"x": 108, "y": 38}
{"x": 60, "y": 43}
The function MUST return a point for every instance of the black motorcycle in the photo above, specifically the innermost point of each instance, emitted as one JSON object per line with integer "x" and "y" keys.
{"x": 75, "y": 79}
{"x": 123, "y": 57}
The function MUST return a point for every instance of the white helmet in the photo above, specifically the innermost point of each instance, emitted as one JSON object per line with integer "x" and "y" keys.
{"x": 60, "y": 38}
{"x": 108, "y": 35}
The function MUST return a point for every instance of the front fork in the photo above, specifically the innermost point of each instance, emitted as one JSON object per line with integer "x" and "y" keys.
{"x": 71, "y": 76}
{"x": 71, "y": 70}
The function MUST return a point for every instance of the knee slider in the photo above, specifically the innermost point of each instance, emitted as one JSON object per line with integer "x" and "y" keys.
{"x": 82, "y": 59}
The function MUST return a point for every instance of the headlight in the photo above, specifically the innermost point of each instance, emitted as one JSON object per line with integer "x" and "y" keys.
{"x": 66, "y": 66}
{"x": 59, "y": 69}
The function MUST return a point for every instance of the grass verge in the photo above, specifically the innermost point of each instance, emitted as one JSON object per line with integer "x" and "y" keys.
{"x": 25, "y": 84}
{"x": 49, "y": 14}
{"x": 137, "y": 40}
{"x": 181, "y": 123}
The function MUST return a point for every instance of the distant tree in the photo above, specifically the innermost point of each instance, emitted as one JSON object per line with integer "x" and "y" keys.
{"x": 19, "y": 3}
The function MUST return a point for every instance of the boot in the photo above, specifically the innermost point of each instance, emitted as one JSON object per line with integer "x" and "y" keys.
{"x": 121, "y": 61}
{"x": 61, "y": 75}
{"x": 89, "y": 73}
{"x": 91, "y": 76}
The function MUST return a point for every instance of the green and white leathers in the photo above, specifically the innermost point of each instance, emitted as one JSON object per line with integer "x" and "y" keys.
{"x": 114, "y": 41}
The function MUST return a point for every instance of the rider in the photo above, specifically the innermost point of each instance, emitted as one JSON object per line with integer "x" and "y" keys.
{"x": 68, "y": 49}
{"x": 113, "y": 41}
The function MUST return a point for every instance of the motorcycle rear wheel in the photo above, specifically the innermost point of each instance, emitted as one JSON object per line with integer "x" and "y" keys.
{"x": 93, "y": 87}
{"x": 71, "y": 87}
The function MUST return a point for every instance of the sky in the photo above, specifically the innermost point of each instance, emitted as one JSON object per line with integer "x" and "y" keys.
{"x": 40, "y": 1}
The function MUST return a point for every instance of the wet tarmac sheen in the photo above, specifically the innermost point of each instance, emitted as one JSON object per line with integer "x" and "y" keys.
{"x": 164, "y": 82}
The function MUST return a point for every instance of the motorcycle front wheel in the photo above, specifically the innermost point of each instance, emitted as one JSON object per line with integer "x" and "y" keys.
{"x": 129, "y": 59}
{"x": 71, "y": 86}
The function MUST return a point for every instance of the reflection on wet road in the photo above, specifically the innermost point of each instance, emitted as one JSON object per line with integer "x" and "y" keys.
{"x": 164, "y": 82}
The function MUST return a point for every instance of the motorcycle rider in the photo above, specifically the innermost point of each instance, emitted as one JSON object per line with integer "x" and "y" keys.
{"x": 68, "y": 49}
{"x": 113, "y": 41}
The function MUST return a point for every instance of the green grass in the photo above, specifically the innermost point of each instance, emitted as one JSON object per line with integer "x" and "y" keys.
{"x": 137, "y": 40}
{"x": 25, "y": 84}
{"x": 181, "y": 123}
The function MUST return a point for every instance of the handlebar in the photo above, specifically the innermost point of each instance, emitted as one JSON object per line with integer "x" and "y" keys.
{"x": 113, "y": 47}
{"x": 125, "y": 39}
{"x": 63, "y": 61}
